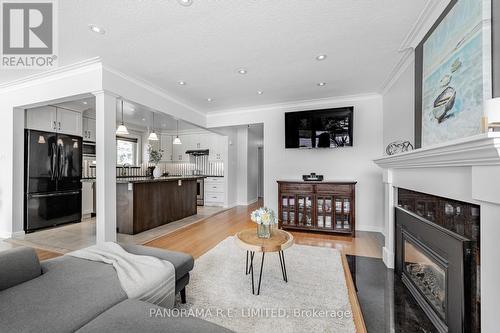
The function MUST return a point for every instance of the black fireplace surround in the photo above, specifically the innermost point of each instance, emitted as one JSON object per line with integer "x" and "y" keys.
{"x": 437, "y": 258}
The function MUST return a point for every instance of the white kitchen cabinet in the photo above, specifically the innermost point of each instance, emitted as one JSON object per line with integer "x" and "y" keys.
{"x": 180, "y": 150}
{"x": 214, "y": 191}
{"x": 87, "y": 198}
{"x": 43, "y": 119}
{"x": 52, "y": 119}
{"x": 218, "y": 149}
{"x": 88, "y": 129}
{"x": 166, "y": 146}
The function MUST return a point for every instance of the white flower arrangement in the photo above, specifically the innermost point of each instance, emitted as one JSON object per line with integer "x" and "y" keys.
{"x": 263, "y": 215}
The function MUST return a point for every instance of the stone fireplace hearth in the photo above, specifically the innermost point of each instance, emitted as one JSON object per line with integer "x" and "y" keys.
{"x": 465, "y": 170}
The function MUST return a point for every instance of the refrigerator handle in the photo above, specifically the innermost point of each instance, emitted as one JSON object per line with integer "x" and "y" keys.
{"x": 61, "y": 161}
{"x": 53, "y": 162}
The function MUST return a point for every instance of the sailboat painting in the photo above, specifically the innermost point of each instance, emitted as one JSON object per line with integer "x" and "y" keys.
{"x": 453, "y": 94}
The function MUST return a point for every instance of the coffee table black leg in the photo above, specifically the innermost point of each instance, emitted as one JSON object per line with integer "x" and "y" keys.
{"x": 260, "y": 275}
{"x": 246, "y": 266}
{"x": 283, "y": 266}
{"x": 250, "y": 270}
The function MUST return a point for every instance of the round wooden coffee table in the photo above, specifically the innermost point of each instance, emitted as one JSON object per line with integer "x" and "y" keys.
{"x": 279, "y": 241}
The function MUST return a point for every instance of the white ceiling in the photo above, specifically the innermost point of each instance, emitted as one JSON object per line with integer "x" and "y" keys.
{"x": 205, "y": 44}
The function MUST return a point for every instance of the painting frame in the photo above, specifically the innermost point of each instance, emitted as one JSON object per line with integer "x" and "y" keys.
{"x": 486, "y": 74}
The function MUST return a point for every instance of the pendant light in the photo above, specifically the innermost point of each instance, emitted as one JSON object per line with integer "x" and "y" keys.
{"x": 177, "y": 141}
{"x": 122, "y": 129}
{"x": 152, "y": 135}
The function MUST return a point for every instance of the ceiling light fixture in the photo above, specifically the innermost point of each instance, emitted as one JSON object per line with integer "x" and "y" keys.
{"x": 260, "y": 92}
{"x": 185, "y": 3}
{"x": 321, "y": 57}
{"x": 321, "y": 84}
{"x": 182, "y": 83}
{"x": 152, "y": 135}
{"x": 96, "y": 29}
{"x": 210, "y": 99}
{"x": 85, "y": 103}
{"x": 122, "y": 129}
{"x": 177, "y": 140}
{"x": 242, "y": 71}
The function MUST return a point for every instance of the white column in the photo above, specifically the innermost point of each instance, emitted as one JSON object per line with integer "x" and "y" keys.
{"x": 389, "y": 225}
{"x": 105, "y": 107}
{"x": 485, "y": 189}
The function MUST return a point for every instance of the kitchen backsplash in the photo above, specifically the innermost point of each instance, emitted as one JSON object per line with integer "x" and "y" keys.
{"x": 201, "y": 166}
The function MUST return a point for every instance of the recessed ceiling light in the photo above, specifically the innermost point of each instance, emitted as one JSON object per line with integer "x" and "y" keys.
{"x": 321, "y": 57}
{"x": 182, "y": 83}
{"x": 185, "y": 3}
{"x": 143, "y": 119}
{"x": 96, "y": 29}
{"x": 260, "y": 92}
{"x": 85, "y": 103}
{"x": 242, "y": 71}
{"x": 321, "y": 84}
{"x": 210, "y": 99}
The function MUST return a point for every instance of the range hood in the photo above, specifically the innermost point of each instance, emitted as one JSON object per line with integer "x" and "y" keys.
{"x": 199, "y": 152}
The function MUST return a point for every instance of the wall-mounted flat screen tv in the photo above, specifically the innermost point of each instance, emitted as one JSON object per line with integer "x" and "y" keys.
{"x": 327, "y": 128}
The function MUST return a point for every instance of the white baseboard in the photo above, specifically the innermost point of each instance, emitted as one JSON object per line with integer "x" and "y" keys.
{"x": 248, "y": 203}
{"x": 6, "y": 234}
{"x": 388, "y": 258}
{"x": 370, "y": 228}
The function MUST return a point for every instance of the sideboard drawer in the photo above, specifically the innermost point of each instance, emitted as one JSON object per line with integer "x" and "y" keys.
{"x": 333, "y": 188}
{"x": 296, "y": 188}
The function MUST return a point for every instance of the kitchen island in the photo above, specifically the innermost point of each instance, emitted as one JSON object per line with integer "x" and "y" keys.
{"x": 146, "y": 203}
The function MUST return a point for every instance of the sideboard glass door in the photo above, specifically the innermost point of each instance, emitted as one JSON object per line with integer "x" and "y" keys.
{"x": 304, "y": 211}
{"x": 342, "y": 214}
{"x": 288, "y": 209}
{"x": 324, "y": 216}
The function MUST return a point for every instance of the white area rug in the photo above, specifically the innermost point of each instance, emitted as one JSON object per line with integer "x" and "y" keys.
{"x": 315, "y": 298}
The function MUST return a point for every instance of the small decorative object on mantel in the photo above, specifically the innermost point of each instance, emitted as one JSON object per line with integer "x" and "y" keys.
{"x": 155, "y": 158}
{"x": 313, "y": 177}
{"x": 492, "y": 107}
{"x": 398, "y": 147}
{"x": 265, "y": 219}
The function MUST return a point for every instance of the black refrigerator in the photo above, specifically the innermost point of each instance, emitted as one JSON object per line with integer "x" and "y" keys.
{"x": 52, "y": 179}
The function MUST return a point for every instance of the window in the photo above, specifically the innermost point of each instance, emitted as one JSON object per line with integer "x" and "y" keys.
{"x": 126, "y": 151}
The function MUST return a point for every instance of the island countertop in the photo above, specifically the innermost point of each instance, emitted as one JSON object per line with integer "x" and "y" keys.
{"x": 135, "y": 180}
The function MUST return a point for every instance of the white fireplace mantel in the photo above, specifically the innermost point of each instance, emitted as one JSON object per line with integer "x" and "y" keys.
{"x": 467, "y": 170}
{"x": 482, "y": 149}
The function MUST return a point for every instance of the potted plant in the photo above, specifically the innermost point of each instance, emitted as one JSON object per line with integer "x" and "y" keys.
{"x": 265, "y": 218}
{"x": 155, "y": 158}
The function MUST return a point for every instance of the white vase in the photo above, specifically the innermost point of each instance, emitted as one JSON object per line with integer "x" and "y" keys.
{"x": 157, "y": 172}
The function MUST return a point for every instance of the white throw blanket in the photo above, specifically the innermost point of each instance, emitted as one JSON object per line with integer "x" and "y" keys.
{"x": 145, "y": 278}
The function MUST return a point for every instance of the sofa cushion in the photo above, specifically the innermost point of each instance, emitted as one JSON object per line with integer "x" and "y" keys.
{"x": 70, "y": 293}
{"x": 182, "y": 262}
{"x": 18, "y": 265}
{"x": 137, "y": 316}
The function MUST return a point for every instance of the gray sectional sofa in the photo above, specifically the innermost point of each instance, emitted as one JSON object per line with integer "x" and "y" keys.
{"x": 68, "y": 294}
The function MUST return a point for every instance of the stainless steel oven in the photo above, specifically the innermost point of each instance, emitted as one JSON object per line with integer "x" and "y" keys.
{"x": 200, "y": 189}
{"x": 88, "y": 148}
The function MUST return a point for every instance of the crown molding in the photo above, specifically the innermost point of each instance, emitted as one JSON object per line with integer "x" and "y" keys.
{"x": 406, "y": 60}
{"x": 50, "y": 74}
{"x": 478, "y": 150}
{"x": 428, "y": 16}
{"x": 311, "y": 103}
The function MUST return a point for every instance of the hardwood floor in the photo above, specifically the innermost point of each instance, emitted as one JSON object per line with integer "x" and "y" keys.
{"x": 201, "y": 237}
{"x": 45, "y": 255}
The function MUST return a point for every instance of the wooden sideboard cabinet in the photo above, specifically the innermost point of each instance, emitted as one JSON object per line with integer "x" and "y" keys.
{"x": 317, "y": 206}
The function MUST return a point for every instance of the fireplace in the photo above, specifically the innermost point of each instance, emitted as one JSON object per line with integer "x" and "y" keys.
{"x": 437, "y": 258}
